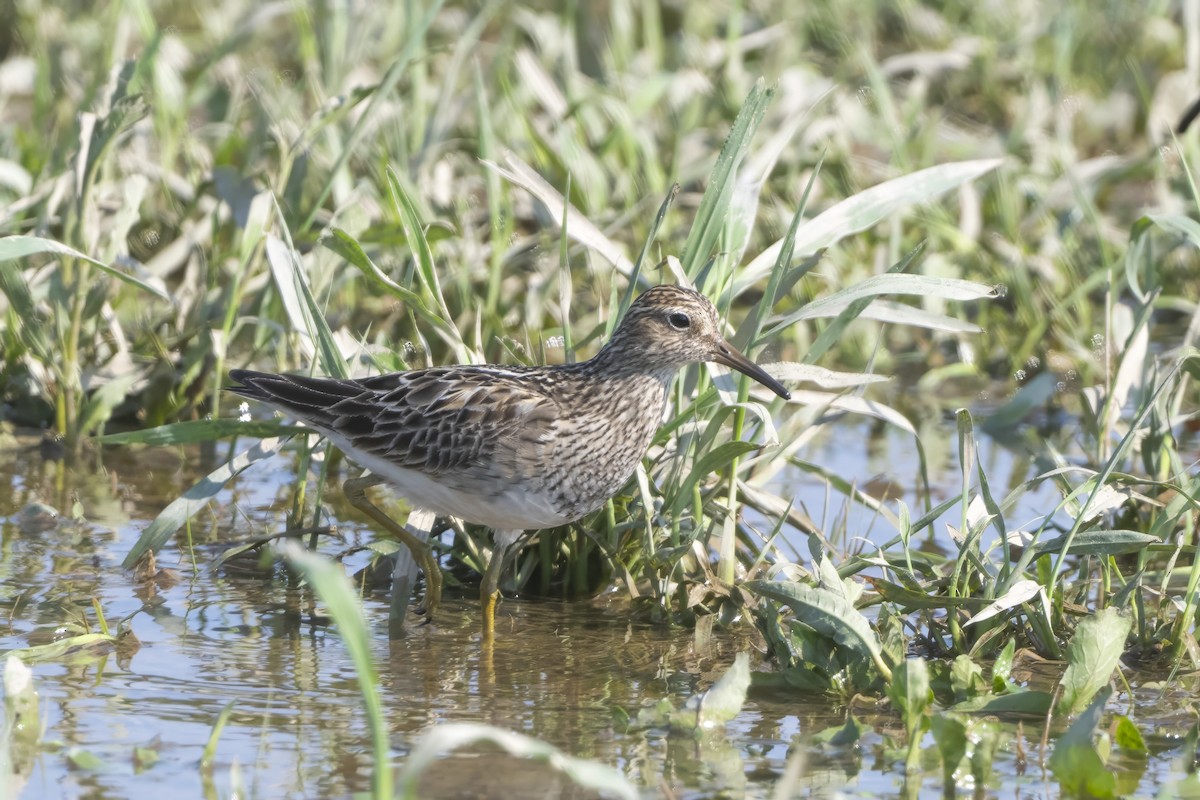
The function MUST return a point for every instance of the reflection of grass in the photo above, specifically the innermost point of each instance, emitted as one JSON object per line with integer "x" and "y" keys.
{"x": 351, "y": 191}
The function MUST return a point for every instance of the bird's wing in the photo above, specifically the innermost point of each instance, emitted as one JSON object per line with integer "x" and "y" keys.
{"x": 437, "y": 421}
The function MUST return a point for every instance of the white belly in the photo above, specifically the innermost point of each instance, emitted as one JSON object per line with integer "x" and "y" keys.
{"x": 500, "y": 508}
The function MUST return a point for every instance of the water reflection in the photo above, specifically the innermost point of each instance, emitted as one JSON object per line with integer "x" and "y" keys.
{"x": 211, "y": 637}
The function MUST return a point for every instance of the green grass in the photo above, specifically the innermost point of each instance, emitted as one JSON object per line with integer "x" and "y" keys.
{"x": 976, "y": 201}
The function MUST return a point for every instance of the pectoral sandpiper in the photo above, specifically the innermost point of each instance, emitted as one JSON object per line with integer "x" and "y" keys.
{"x": 511, "y": 448}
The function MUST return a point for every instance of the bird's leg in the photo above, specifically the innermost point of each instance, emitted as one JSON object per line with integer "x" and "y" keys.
{"x": 489, "y": 587}
{"x": 355, "y": 490}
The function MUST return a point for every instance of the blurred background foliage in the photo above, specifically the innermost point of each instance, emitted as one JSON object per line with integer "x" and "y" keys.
{"x": 148, "y": 136}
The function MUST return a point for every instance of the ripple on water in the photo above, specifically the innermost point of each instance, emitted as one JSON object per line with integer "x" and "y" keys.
{"x": 212, "y": 638}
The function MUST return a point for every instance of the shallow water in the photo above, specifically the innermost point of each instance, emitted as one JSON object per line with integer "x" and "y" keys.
{"x": 212, "y": 637}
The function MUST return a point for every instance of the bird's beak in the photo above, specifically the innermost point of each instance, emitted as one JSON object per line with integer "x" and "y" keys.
{"x": 727, "y": 355}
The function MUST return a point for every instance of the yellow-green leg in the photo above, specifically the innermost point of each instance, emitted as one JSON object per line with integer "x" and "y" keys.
{"x": 355, "y": 490}
{"x": 489, "y": 586}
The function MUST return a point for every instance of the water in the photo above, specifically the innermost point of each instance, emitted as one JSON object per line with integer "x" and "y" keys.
{"x": 211, "y": 638}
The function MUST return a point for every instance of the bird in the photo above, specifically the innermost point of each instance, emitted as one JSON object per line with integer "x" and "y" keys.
{"x": 512, "y": 448}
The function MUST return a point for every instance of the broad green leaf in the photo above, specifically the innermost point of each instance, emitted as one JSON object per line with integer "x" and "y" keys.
{"x": 1179, "y": 225}
{"x": 950, "y": 734}
{"x": 1076, "y": 763}
{"x": 653, "y": 716}
{"x": 1099, "y": 543}
{"x": 1127, "y": 736}
{"x": 966, "y": 678}
{"x": 124, "y": 111}
{"x": 828, "y": 614}
{"x": 99, "y": 406}
{"x": 849, "y": 734}
{"x": 830, "y": 579}
{"x": 1189, "y": 362}
{"x": 1095, "y": 649}
{"x": 86, "y": 760}
{"x": 910, "y": 693}
{"x": 724, "y": 700}
{"x": 16, "y": 290}
{"x": 144, "y": 758}
{"x": 1023, "y": 703}
{"x": 1002, "y": 668}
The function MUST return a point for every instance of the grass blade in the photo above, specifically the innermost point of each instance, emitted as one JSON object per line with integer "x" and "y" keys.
{"x": 342, "y": 243}
{"x": 201, "y": 430}
{"x": 865, "y": 209}
{"x": 381, "y": 93}
{"x": 889, "y": 284}
{"x": 710, "y": 217}
{"x": 308, "y": 321}
{"x": 195, "y": 499}
{"x": 329, "y": 581}
{"x": 14, "y": 247}
{"x": 580, "y": 227}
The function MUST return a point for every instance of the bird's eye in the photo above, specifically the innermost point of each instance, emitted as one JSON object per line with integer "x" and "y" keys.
{"x": 679, "y": 321}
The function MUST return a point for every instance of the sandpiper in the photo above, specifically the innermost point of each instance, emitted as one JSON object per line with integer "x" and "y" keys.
{"x": 510, "y": 448}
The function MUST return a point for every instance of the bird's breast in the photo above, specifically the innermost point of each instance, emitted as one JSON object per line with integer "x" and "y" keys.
{"x": 596, "y": 452}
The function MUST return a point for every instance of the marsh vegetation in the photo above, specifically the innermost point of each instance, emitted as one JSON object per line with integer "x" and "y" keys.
{"x": 963, "y": 235}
